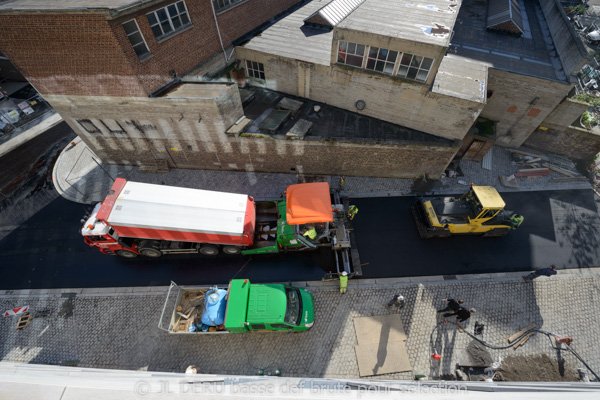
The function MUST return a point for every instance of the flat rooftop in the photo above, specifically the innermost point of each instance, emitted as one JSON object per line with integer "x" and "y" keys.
{"x": 37, "y": 5}
{"x": 529, "y": 54}
{"x": 329, "y": 122}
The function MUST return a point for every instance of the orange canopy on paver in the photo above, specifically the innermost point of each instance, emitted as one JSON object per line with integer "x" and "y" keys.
{"x": 308, "y": 203}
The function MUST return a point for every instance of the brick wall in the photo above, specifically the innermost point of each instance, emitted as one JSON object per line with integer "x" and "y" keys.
{"x": 68, "y": 54}
{"x": 89, "y": 55}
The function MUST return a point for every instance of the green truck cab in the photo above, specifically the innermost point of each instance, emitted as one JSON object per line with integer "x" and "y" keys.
{"x": 242, "y": 307}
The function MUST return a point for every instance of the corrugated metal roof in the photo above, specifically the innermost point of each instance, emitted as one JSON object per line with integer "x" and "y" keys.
{"x": 335, "y": 11}
{"x": 501, "y": 12}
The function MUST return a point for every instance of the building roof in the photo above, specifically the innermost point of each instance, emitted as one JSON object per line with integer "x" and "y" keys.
{"x": 290, "y": 38}
{"x": 336, "y": 10}
{"x": 505, "y": 15}
{"x": 425, "y": 21}
{"x": 72, "y": 5}
{"x": 462, "y": 78}
{"x": 528, "y": 54}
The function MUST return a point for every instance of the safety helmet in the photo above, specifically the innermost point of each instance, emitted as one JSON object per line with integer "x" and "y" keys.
{"x": 344, "y": 273}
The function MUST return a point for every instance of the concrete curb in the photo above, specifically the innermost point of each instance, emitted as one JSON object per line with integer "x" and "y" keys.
{"x": 29, "y": 134}
{"x": 310, "y": 285}
{"x": 57, "y": 182}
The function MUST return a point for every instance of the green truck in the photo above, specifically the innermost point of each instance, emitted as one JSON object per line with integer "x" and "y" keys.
{"x": 242, "y": 307}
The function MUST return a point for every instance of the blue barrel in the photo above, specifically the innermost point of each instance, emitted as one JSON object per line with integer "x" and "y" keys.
{"x": 214, "y": 307}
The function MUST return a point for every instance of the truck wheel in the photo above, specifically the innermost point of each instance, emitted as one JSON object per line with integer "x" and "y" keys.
{"x": 231, "y": 250}
{"x": 209, "y": 250}
{"x": 150, "y": 252}
{"x": 126, "y": 254}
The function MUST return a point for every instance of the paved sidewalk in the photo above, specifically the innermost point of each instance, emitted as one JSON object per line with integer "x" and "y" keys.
{"x": 80, "y": 176}
{"x": 29, "y": 131}
{"x": 117, "y": 328}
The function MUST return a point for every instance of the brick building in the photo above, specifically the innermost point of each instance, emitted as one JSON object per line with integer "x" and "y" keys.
{"x": 134, "y": 79}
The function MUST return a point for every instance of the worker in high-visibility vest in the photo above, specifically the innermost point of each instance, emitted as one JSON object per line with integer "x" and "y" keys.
{"x": 343, "y": 282}
{"x": 352, "y": 211}
{"x": 311, "y": 232}
{"x": 515, "y": 221}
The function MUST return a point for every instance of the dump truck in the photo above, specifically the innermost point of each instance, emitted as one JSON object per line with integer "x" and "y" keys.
{"x": 241, "y": 307}
{"x": 480, "y": 211}
{"x": 151, "y": 220}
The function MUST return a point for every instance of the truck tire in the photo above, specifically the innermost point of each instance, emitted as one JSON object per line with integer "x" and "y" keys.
{"x": 126, "y": 254}
{"x": 150, "y": 252}
{"x": 234, "y": 250}
{"x": 209, "y": 250}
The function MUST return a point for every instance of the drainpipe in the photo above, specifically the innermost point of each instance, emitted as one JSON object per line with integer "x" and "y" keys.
{"x": 219, "y": 32}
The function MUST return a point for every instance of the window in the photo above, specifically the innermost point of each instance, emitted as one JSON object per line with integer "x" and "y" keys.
{"x": 381, "y": 60}
{"x": 279, "y": 326}
{"x": 221, "y": 5}
{"x": 258, "y": 326}
{"x": 414, "y": 67}
{"x": 168, "y": 19}
{"x": 293, "y": 312}
{"x": 255, "y": 70}
{"x": 135, "y": 38}
{"x": 351, "y": 53}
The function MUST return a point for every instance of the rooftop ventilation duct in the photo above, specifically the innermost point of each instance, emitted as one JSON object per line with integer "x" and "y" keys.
{"x": 333, "y": 13}
{"x": 505, "y": 15}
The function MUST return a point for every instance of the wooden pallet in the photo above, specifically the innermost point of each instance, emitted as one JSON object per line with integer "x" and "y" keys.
{"x": 24, "y": 321}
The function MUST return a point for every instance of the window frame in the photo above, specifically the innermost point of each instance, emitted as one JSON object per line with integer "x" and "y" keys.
{"x": 170, "y": 18}
{"x": 353, "y": 54}
{"x": 410, "y": 66}
{"x": 385, "y": 61}
{"x": 230, "y": 4}
{"x": 147, "y": 53}
{"x": 250, "y": 68}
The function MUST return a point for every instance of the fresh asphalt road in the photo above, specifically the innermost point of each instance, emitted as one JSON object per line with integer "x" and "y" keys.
{"x": 48, "y": 252}
{"x": 561, "y": 227}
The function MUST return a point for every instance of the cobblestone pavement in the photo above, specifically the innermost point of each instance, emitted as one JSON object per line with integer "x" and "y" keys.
{"x": 117, "y": 328}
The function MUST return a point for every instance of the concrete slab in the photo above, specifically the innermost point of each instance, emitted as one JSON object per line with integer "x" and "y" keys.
{"x": 382, "y": 358}
{"x": 373, "y": 330}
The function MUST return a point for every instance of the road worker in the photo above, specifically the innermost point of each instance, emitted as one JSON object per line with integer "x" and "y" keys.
{"x": 515, "y": 221}
{"x": 310, "y": 232}
{"x": 343, "y": 282}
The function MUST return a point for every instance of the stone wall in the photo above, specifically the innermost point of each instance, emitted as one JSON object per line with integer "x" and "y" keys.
{"x": 190, "y": 133}
{"x": 520, "y": 103}
{"x": 573, "y": 142}
{"x": 561, "y": 133}
{"x": 395, "y": 100}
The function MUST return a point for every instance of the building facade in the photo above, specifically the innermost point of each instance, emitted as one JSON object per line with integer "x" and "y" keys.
{"x": 136, "y": 80}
